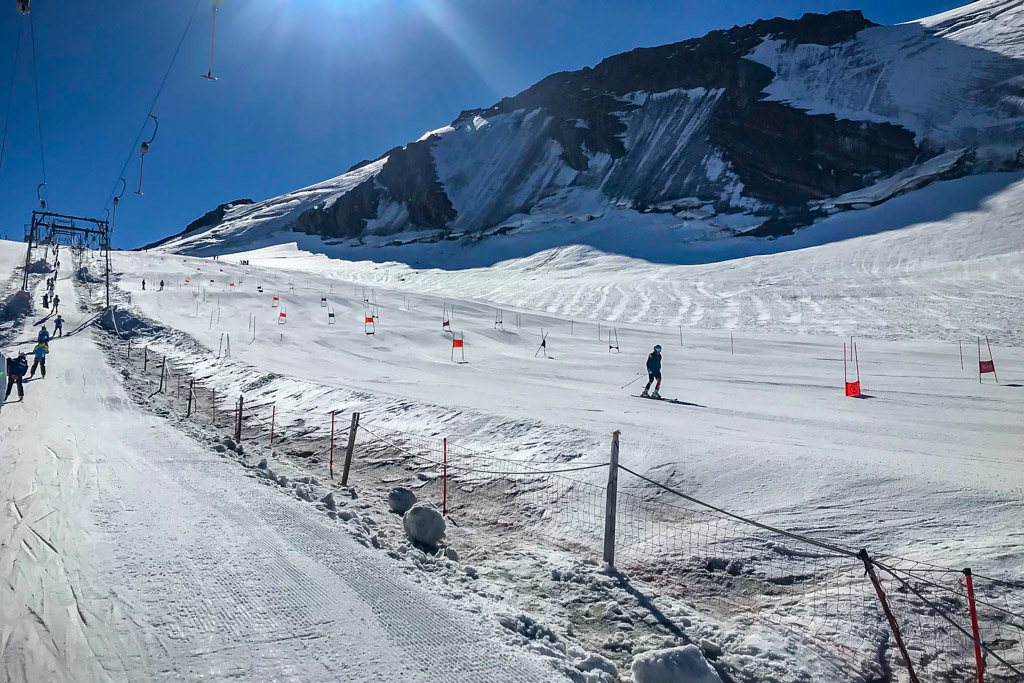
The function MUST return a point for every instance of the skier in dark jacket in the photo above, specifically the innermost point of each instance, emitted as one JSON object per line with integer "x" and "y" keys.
{"x": 16, "y": 369}
{"x": 653, "y": 373}
{"x": 56, "y": 303}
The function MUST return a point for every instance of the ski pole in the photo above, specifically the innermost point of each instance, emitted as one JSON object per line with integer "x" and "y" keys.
{"x": 638, "y": 376}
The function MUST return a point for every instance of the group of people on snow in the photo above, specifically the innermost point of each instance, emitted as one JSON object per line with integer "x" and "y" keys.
{"x": 17, "y": 367}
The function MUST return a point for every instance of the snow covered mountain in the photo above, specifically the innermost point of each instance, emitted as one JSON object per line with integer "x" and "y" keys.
{"x": 755, "y": 131}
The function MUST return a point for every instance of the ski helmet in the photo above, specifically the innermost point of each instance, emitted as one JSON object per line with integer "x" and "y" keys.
{"x": 657, "y": 347}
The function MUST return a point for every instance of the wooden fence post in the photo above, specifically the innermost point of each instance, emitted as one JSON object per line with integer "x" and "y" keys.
{"x": 238, "y": 424}
{"x": 611, "y": 497}
{"x": 351, "y": 447}
{"x": 893, "y": 626}
{"x": 330, "y": 462}
{"x": 191, "y": 393}
{"x": 273, "y": 418}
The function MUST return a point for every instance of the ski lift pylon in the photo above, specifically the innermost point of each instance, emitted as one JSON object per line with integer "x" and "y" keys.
{"x": 213, "y": 34}
{"x": 144, "y": 149}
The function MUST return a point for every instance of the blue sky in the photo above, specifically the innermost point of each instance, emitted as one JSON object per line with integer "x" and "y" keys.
{"x": 306, "y": 87}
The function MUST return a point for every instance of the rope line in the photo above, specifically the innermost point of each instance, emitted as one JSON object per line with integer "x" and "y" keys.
{"x": 470, "y": 469}
{"x": 10, "y": 97}
{"x": 745, "y": 520}
{"x": 39, "y": 111}
{"x": 142, "y": 129}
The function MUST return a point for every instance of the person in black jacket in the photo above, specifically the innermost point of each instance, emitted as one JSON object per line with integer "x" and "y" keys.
{"x": 653, "y": 373}
{"x": 16, "y": 369}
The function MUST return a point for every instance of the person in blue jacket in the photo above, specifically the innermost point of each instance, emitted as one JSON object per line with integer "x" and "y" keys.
{"x": 58, "y": 326}
{"x": 16, "y": 369}
{"x": 40, "y": 362}
{"x": 44, "y": 336}
{"x": 653, "y": 373}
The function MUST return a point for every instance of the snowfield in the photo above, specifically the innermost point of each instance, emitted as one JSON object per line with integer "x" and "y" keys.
{"x": 928, "y": 467}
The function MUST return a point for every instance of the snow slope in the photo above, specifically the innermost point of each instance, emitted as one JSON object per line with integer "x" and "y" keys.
{"x": 129, "y": 552}
{"x": 946, "y": 262}
{"x": 955, "y": 79}
{"x": 770, "y": 434}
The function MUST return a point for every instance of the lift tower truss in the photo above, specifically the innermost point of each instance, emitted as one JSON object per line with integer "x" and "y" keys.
{"x": 72, "y": 231}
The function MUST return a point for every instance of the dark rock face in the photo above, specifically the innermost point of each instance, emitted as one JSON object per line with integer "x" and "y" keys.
{"x": 699, "y": 100}
{"x": 409, "y": 178}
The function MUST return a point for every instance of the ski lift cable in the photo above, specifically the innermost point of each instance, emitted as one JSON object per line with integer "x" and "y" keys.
{"x": 10, "y": 96}
{"x": 145, "y": 121}
{"x": 39, "y": 111}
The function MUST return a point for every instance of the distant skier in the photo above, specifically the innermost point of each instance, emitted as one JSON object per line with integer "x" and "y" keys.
{"x": 46, "y": 300}
{"x": 161, "y": 285}
{"x": 44, "y": 336}
{"x": 58, "y": 326}
{"x": 56, "y": 303}
{"x": 16, "y": 369}
{"x": 40, "y": 362}
{"x": 653, "y": 373}
{"x": 143, "y": 284}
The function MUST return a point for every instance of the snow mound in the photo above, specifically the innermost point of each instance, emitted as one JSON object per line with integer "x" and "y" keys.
{"x": 401, "y": 500}
{"x": 124, "y": 324}
{"x": 424, "y": 525}
{"x": 40, "y": 267}
{"x": 674, "y": 665}
{"x": 85, "y": 275}
{"x": 15, "y": 307}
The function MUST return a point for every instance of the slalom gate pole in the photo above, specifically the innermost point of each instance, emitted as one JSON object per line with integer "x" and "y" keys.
{"x": 213, "y": 403}
{"x": 961, "y": 345}
{"x": 893, "y": 626}
{"x": 978, "y": 659}
{"x": 330, "y": 462}
{"x": 273, "y": 416}
{"x": 191, "y": 392}
{"x": 444, "y": 479}
{"x": 991, "y": 358}
{"x": 979, "y": 360}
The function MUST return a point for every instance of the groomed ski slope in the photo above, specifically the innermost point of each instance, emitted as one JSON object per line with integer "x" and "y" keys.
{"x": 128, "y": 552}
{"x": 930, "y": 466}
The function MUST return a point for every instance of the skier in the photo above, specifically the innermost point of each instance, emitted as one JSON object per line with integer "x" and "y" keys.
{"x": 44, "y": 336}
{"x": 56, "y": 303}
{"x": 58, "y": 326}
{"x": 40, "y": 362}
{"x": 653, "y": 373}
{"x": 143, "y": 284}
{"x": 46, "y": 300}
{"x": 161, "y": 285}
{"x": 16, "y": 369}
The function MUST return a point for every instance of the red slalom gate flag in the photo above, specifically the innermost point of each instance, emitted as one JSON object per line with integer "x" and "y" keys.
{"x": 987, "y": 366}
{"x": 368, "y": 320}
{"x": 457, "y": 343}
{"x": 853, "y": 388}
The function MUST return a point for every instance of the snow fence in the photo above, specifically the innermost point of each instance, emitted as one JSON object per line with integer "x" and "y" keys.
{"x": 874, "y": 617}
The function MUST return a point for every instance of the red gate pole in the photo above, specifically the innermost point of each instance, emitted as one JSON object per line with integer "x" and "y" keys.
{"x": 979, "y": 360}
{"x": 444, "y": 480}
{"x": 331, "y": 464}
{"x": 856, "y": 359}
{"x": 979, "y": 660}
{"x": 846, "y": 378}
{"x": 992, "y": 359}
{"x": 273, "y": 416}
